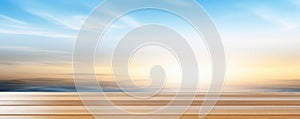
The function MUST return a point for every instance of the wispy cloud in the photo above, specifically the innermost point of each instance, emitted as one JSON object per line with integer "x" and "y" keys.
{"x": 279, "y": 85}
{"x": 127, "y": 20}
{"x": 130, "y": 21}
{"x": 21, "y": 54}
{"x": 19, "y": 27}
{"x": 31, "y": 49}
{"x": 50, "y": 85}
{"x": 73, "y": 22}
{"x": 12, "y": 20}
{"x": 37, "y": 33}
{"x": 122, "y": 23}
{"x": 276, "y": 18}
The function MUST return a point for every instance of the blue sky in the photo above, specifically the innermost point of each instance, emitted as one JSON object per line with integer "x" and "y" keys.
{"x": 37, "y": 36}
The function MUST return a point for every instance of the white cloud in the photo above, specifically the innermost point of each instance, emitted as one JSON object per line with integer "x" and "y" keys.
{"x": 18, "y": 27}
{"x": 36, "y": 33}
{"x": 124, "y": 19}
{"x": 130, "y": 21}
{"x": 12, "y": 20}
{"x": 122, "y": 23}
{"x": 268, "y": 15}
{"x": 72, "y": 22}
{"x": 32, "y": 49}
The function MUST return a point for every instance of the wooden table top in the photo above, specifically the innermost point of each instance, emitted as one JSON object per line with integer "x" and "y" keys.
{"x": 46, "y": 105}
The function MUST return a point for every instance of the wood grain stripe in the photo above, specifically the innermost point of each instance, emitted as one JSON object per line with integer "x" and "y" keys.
{"x": 69, "y": 106}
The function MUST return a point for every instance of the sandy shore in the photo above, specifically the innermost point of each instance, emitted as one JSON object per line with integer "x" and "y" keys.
{"x": 68, "y": 106}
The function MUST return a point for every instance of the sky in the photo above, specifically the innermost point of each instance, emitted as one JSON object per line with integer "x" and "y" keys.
{"x": 260, "y": 38}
